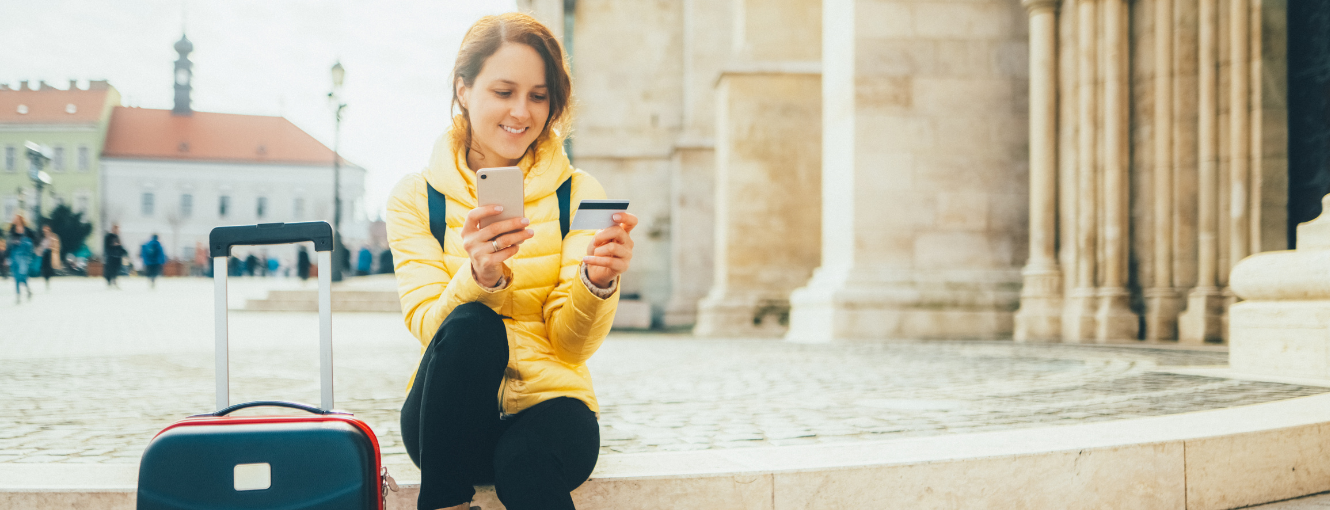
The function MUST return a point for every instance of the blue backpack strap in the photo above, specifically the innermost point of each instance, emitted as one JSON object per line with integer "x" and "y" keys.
{"x": 438, "y": 204}
{"x": 438, "y": 217}
{"x": 565, "y": 193}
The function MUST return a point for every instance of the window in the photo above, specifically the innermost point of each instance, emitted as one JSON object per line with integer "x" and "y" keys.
{"x": 81, "y": 203}
{"x": 11, "y": 207}
{"x": 186, "y": 205}
{"x": 260, "y": 207}
{"x": 300, "y": 208}
{"x": 84, "y": 160}
{"x": 147, "y": 204}
{"x": 223, "y": 203}
{"x": 11, "y": 159}
{"x": 58, "y": 159}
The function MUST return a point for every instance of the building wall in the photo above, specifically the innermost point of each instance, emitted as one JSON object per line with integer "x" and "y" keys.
{"x": 627, "y": 81}
{"x": 1166, "y": 196}
{"x": 72, "y": 185}
{"x": 282, "y": 185}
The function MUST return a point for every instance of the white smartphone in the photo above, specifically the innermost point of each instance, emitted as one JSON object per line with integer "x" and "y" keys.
{"x": 500, "y": 186}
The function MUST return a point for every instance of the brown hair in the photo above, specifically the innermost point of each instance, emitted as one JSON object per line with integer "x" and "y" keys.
{"x": 486, "y": 37}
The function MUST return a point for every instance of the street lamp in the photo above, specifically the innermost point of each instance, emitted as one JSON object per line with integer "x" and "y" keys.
{"x": 38, "y": 156}
{"x": 339, "y": 250}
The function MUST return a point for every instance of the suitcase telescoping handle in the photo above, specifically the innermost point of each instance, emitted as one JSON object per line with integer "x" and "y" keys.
{"x": 220, "y": 242}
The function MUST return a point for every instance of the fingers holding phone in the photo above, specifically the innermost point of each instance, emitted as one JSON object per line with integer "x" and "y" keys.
{"x": 495, "y": 230}
{"x": 489, "y": 247}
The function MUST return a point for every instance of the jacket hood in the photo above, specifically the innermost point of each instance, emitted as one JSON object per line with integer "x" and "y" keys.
{"x": 544, "y": 167}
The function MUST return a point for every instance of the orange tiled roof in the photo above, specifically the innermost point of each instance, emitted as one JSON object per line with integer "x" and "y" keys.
{"x": 141, "y": 133}
{"x": 51, "y": 105}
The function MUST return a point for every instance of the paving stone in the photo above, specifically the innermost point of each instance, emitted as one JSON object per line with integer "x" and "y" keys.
{"x": 102, "y": 387}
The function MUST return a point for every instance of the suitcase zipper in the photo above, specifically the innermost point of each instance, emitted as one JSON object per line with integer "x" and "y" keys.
{"x": 388, "y": 484}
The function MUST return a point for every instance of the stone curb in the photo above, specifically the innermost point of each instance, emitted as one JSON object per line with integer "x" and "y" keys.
{"x": 1205, "y": 460}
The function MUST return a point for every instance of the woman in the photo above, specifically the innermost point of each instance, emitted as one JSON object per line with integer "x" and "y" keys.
{"x": 50, "y": 250}
{"x": 508, "y": 314}
{"x": 20, "y": 257}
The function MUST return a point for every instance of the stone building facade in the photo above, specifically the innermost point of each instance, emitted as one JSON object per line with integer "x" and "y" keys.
{"x": 1159, "y": 155}
{"x": 1048, "y": 170}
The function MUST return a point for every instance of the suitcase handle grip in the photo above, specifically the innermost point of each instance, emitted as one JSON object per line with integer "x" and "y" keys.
{"x": 221, "y": 239}
{"x": 273, "y": 403}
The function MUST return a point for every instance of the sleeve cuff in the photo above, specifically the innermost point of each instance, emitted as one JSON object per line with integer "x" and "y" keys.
{"x": 500, "y": 285}
{"x": 602, "y": 293}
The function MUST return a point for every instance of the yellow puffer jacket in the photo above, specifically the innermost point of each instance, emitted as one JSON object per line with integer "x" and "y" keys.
{"x": 554, "y": 322}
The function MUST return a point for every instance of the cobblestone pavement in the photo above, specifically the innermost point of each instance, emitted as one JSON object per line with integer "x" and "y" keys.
{"x": 89, "y": 375}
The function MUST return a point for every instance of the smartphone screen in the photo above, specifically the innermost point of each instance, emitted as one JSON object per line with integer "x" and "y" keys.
{"x": 500, "y": 186}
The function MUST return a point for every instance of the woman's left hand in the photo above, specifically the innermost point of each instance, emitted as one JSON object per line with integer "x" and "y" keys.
{"x": 610, "y": 252}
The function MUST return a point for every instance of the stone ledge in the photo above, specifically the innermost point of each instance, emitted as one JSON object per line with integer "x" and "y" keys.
{"x": 1213, "y": 459}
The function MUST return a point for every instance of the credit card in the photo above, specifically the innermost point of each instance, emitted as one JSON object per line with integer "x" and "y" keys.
{"x": 597, "y": 214}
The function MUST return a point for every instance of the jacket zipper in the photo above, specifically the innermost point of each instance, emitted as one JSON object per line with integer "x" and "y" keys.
{"x": 503, "y": 393}
{"x": 503, "y": 384}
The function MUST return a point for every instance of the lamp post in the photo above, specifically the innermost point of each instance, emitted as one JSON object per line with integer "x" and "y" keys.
{"x": 339, "y": 250}
{"x": 38, "y": 155}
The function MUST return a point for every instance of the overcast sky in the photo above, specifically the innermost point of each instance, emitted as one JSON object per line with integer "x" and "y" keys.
{"x": 264, "y": 57}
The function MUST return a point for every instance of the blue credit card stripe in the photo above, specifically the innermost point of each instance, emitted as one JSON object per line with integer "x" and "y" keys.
{"x": 603, "y": 205}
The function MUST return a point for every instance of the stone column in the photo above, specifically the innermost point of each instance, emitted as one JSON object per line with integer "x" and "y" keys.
{"x": 923, "y": 181}
{"x": 1239, "y": 132}
{"x": 706, "y": 39}
{"x": 1202, "y": 321}
{"x": 1115, "y": 322}
{"x": 768, "y": 171}
{"x": 1040, "y": 316}
{"x": 1162, "y": 302}
{"x": 1078, "y": 323}
{"x": 549, "y": 12}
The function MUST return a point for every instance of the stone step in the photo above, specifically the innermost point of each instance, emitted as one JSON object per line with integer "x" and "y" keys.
{"x": 373, "y": 297}
{"x": 1224, "y": 458}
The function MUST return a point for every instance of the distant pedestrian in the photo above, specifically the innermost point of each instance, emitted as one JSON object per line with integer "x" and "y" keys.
{"x": 202, "y": 262}
{"x": 302, "y": 264}
{"x": 273, "y": 266}
{"x": 386, "y": 262}
{"x": 342, "y": 258}
{"x": 364, "y": 261}
{"x": 4, "y": 258}
{"x": 154, "y": 257}
{"x": 233, "y": 267}
{"x": 50, "y": 253}
{"x": 20, "y": 257}
{"x": 252, "y": 265}
{"x": 113, "y": 255}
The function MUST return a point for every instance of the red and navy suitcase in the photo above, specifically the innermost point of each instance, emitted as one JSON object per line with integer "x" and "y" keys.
{"x": 323, "y": 461}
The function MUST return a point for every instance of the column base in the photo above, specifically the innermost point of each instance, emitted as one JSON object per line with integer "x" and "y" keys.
{"x": 1204, "y": 319}
{"x": 826, "y": 311}
{"x": 1162, "y": 306}
{"x": 1039, "y": 318}
{"x": 1078, "y": 318}
{"x": 680, "y": 313}
{"x": 1115, "y": 323}
{"x": 741, "y": 316}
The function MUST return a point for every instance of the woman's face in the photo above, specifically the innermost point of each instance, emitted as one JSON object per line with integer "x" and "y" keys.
{"x": 508, "y": 105}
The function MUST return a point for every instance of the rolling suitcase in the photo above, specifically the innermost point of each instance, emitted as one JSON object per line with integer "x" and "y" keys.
{"x": 325, "y": 460}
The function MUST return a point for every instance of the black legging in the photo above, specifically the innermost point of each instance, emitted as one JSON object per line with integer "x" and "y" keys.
{"x": 452, "y": 430}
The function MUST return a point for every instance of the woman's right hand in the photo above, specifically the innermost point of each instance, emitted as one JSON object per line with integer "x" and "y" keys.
{"x": 479, "y": 243}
